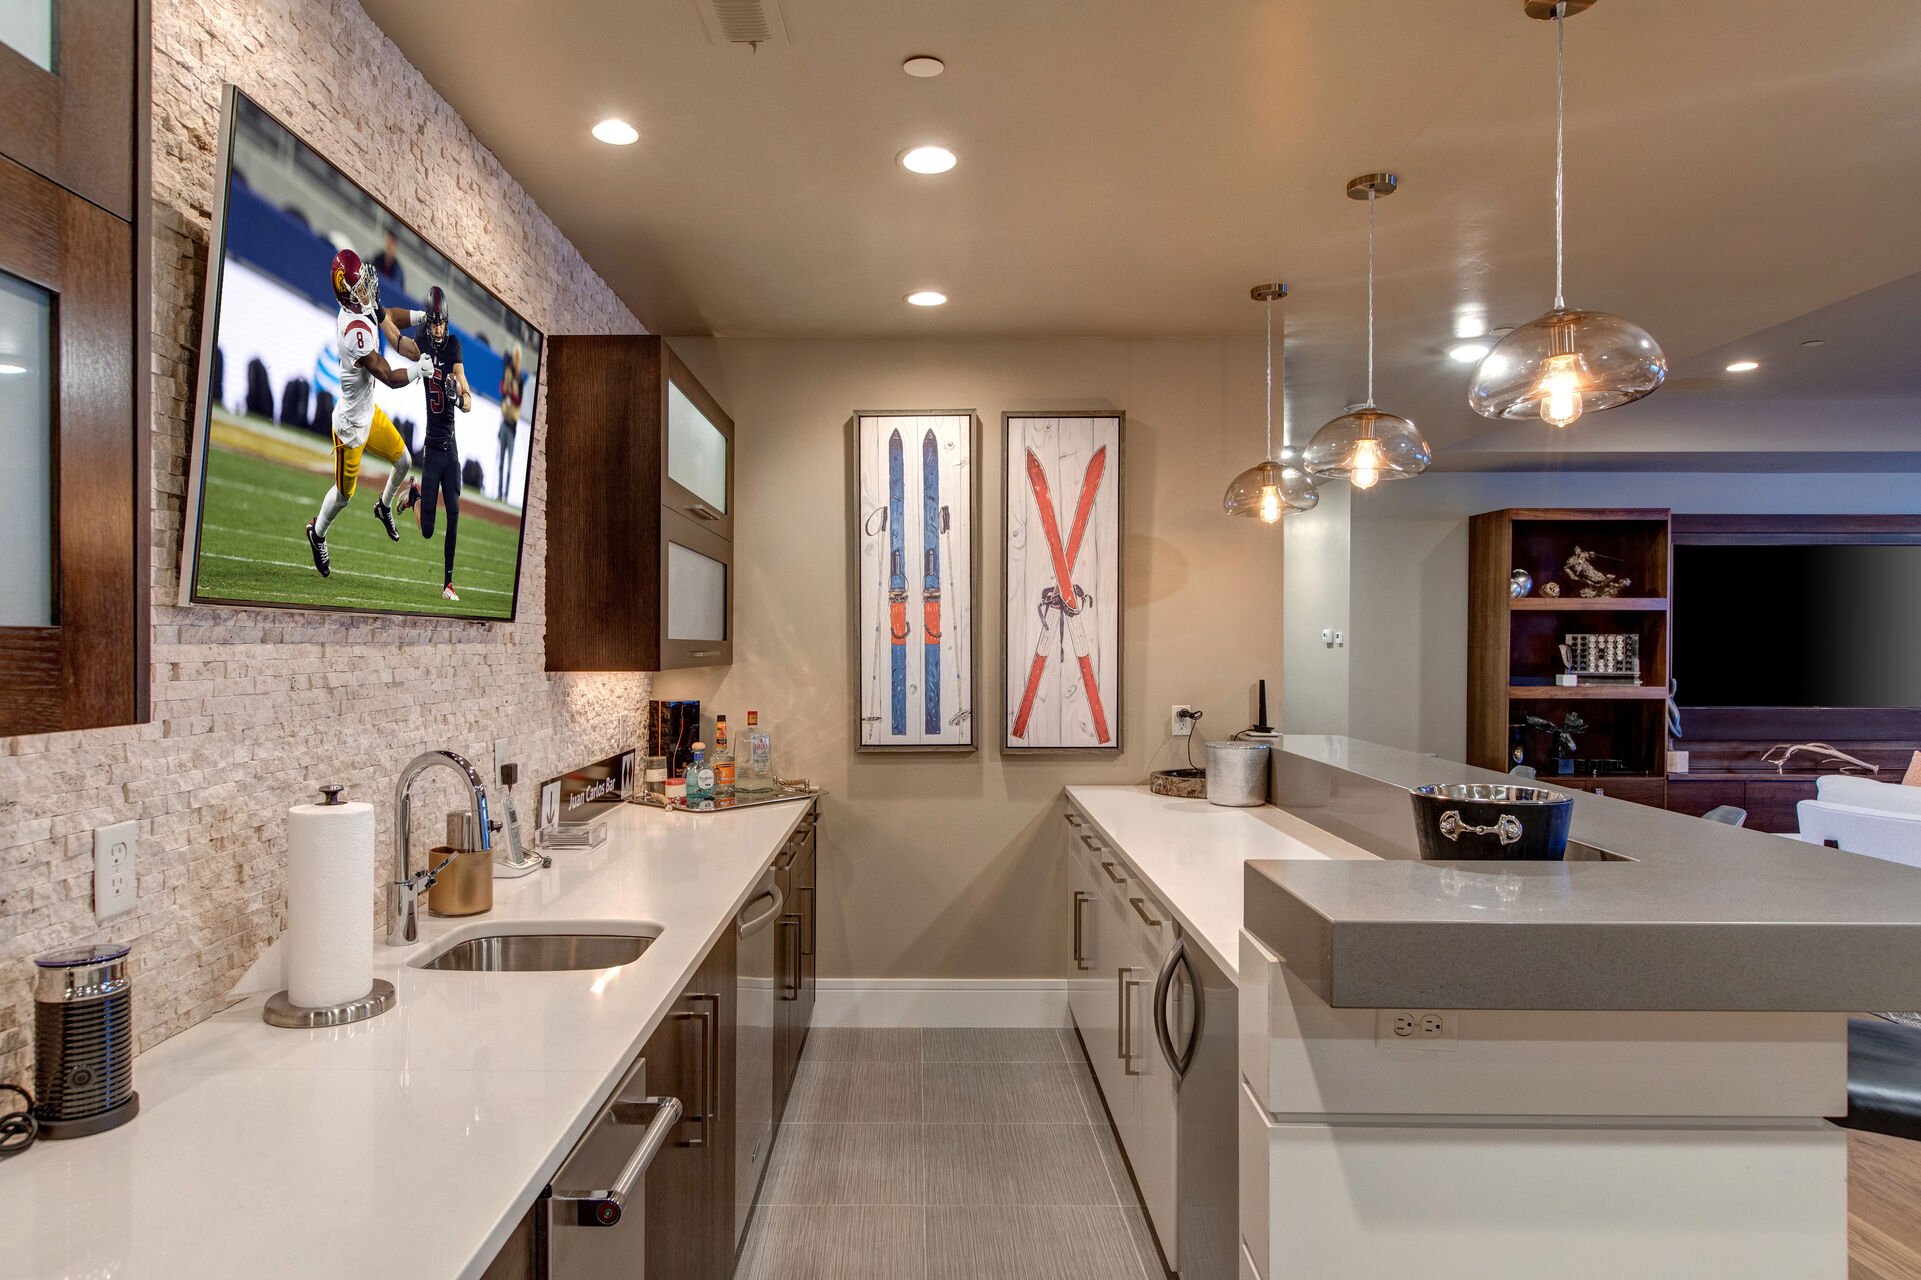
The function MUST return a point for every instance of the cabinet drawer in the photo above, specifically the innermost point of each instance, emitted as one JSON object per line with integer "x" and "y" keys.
{"x": 1252, "y": 1146}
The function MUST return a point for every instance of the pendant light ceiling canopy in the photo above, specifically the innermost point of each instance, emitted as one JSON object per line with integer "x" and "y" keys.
{"x": 1569, "y": 361}
{"x": 1277, "y": 486}
{"x": 1365, "y": 445}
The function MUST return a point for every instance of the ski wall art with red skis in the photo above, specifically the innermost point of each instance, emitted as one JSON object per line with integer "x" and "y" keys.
{"x": 914, "y": 549}
{"x": 1062, "y": 517}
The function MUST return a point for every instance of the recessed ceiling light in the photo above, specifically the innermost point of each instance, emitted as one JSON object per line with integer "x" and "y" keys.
{"x": 1744, "y": 366}
{"x": 922, "y": 67}
{"x": 927, "y": 298}
{"x": 1468, "y": 352}
{"x": 617, "y": 133}
{"x": 928, "y": 160}
{"x": 7, "y": 367}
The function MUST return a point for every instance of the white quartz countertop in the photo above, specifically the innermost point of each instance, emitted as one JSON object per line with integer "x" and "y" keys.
{"x": 1192, "y": 853}
{"x": 408, "y": 1145}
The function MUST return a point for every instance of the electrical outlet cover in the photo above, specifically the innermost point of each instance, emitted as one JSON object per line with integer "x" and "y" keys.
{"x": 1179, "y": 725}
{"x": 115, "y": 886}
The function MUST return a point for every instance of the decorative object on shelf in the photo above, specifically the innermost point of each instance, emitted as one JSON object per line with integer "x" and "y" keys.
{"x": 1562, "y": 736}
{"x": 1568, "y": 361}
{"x": 1061, "y": 656}
{"x": 1479, "y": 821}
{"x": 1519, "y": 583}
{"x": 1364, "y": 445}
{"x": 1779, "y": 755}
{"x": 1594, "y": 582}
{"x": 1276, "y": 486}
{"x": 1552, "y": 590}
{"x": 1184, "y": 784}
{"x": 914, "y": 585}
{"x": 1601, "y": 658}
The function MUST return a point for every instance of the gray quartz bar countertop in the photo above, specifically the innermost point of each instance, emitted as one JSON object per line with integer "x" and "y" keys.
{"x": 1704, "y": 916}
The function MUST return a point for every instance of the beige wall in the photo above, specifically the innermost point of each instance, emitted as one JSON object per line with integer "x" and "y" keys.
{"x": 948, "y": 865}
{"x": 253, "y": 708}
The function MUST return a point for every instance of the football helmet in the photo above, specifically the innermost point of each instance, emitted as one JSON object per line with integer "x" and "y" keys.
{"x": 436, "y": 317}
{"x": 356, "y": 283}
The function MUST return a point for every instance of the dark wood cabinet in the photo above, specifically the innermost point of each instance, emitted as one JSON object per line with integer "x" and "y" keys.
{"x": 640, "y": 573}
{"x": 796, "y": 964}
{"x": 690, "y": 1189}
{"x": 1648, "y": 791}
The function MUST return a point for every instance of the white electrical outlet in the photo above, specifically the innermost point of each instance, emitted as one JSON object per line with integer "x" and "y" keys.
{"x": 1416, "y": 1029}
{"x": 1181, "y": 720}
{"x": 113, "y": 869}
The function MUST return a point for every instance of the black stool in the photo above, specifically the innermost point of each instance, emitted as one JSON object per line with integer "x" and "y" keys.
{"x": 1884, "y": 1078}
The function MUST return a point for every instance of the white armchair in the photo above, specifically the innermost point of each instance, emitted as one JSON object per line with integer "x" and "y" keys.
{"x": 1879, "y": 819}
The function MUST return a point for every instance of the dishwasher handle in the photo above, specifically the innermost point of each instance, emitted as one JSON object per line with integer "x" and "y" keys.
{"x": 1177, "y": 1060}
{"x": 603, "y": 1207}
{"x": 748, "y": 928}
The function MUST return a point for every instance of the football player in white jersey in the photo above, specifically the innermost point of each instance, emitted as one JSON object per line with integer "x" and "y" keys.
{"x": 359, "y": 424}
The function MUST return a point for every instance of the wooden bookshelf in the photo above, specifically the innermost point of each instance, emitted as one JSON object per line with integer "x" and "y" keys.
{"x": 1510, "y": 638}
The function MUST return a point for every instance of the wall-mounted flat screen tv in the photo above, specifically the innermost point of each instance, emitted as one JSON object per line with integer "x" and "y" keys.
{"x": 365, "y": 415}
{"x": 1825, "y": 625}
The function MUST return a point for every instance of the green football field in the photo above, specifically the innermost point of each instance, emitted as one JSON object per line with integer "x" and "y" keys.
{"x": 253, "y": 546}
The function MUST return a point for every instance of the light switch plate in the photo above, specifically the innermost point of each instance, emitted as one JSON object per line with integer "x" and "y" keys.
{"x": 113, "y": 869}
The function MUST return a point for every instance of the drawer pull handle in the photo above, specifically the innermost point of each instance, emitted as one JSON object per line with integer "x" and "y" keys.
{"x": 1112, "y": 874}
{"x": 1141, "y": 911}
{"x": 703, "y": 511}
{"x": 1090, "y": 842}
{"x": 1072, "y": 821}
{"x": 1080, "y": 961}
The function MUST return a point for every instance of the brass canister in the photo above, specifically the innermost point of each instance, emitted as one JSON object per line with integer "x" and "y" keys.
{"x": 466, "y": 887}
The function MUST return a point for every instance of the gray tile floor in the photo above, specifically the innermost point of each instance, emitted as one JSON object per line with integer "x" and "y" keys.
{"x": 947, "y": 1154}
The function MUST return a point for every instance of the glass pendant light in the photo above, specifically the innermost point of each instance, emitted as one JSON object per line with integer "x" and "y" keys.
{"x": 1364, "y": 445}
{"x": 1277, "y": 487}
{"x": 1569, "y": 361}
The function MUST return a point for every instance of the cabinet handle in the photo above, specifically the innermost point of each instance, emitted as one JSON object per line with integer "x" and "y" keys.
{"x": 702, "y": 1108}
{"x": 1112, "y": 874}
{"x": 603, "y": 1208}
{"x": 806, "y": 934}
{"x": 1127, "y": 1031}
{"x": 713, "y": 1057}
{"x": 1090, "y": 842}
{"x": 1141, "y": 911}
{"x": 1120, "y": 1014}
{"x": 1072, "y": 821}
{"x": 793, "y": 922}
{"x": 702, "y": 653}
{"x": 702, "y": 510}
{"x": 1080, "y": 961}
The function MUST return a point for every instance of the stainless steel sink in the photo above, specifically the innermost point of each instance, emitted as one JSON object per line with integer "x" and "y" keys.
{"x": 538, "y": 952}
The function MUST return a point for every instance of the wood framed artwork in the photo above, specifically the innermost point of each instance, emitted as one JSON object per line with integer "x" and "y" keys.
{"x": 915, "y": 492}
{"x": 1061, "y": 515}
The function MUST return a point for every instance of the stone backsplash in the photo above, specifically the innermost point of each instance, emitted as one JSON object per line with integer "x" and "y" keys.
{"x": 252, "y": 709}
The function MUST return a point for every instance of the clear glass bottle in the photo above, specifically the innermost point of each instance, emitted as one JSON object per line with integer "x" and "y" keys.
{"x": 723, "y": 763}
{"x": 756, "y": 774}
{"x": 700, "y": 779}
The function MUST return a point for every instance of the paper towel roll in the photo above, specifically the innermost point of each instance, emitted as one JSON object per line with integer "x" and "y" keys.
{"x": 330, "y": 884}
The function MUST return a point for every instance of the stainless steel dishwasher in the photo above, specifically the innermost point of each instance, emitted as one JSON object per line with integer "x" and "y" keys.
{"x": 1196, "y": 1025}
{"x": 591, "y": 1223}
{"x": 754, "y": 1046}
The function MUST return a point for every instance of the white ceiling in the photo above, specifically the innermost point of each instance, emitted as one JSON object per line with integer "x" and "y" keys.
{"x": 1741, "y": 177}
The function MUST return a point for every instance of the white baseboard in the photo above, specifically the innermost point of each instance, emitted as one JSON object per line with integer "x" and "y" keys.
{"x": 941, "y": 1002}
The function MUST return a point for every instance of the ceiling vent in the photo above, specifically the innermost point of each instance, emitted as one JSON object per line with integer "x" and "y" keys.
{"x": 749, "y": 22}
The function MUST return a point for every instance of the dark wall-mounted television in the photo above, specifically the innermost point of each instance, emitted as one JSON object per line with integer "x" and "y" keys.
{"x": 1814, "y": 625}
{"x": 352, "y": 449}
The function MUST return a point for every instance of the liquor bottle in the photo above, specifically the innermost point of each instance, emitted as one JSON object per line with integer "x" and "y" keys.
{"x": 757, "y": 773}
{"x": 723, "y": 763}
{"x": 700, "y": 779}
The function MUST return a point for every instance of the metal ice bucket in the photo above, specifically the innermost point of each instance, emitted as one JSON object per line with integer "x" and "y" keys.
{"x": 1464, "y": 821}
{"x": 1237, "y": 773}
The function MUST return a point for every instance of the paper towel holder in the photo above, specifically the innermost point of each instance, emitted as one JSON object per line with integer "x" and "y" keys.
{"x": 280, "y": 1011}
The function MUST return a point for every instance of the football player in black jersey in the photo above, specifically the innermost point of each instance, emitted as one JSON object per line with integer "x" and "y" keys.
{"x": 447, "y": 390}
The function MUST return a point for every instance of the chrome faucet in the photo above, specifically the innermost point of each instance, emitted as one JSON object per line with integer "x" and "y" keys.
{"x": 404, "y": 890}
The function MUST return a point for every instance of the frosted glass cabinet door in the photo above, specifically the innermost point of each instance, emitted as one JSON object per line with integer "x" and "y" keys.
{"x": 699, "y": 464}
{"x": 26, "y": 440}
{"x": 696, "y": 626}
{"x": 67, "y": 92}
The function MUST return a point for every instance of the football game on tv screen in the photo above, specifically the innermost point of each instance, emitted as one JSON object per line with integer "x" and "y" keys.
{"x": 366, "y": 410}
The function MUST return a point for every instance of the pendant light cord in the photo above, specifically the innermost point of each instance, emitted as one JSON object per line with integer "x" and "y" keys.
{"x": 1560, "y": 146}
{"x": 1270, "y": 384}
{"x": 1370, "y": 298}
